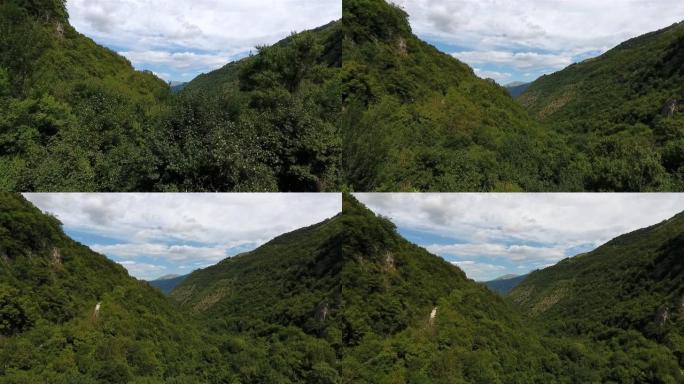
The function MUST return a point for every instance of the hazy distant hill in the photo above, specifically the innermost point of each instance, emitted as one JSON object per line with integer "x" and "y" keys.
{"x": 515, "y": 89}
{"x": 167, "y": 283}
{"x": 504, "y": 284}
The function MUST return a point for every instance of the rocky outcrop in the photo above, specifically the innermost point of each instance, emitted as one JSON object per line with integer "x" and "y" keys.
{"x": 662, "y": 316}
{"x": 56, "y": 257}
{"x": 681, "y": 304}
{"x": 433, "y": 315}
{"x": 389, "y": 265}
{"x": 59, "y": 29}
{"x": 402, "y": 47}
{"x": 322, "y": 311}
{"x": 670, "y": 108}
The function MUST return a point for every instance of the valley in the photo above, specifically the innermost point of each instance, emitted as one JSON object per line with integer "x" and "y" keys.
{"x": 347, "y": 299}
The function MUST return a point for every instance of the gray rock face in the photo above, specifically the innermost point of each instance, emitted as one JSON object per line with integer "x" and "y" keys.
{"x": 681, "y": 304}
{"x": 670, "y": 108}
{"x": 662, "y": 316}
{"x": 322, "y": 312}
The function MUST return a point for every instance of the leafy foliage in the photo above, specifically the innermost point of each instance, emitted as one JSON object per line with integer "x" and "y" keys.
{"x": 621, "y": 109}
{"x": 418, "y": 119}
{"x": 76, "y": 116}
{"x": 625, "y": 297}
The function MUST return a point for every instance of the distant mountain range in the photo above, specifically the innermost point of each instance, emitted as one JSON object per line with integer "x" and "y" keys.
{"x": 517, "y": 88}
{"x": 344, "y": 300}
{"x": 167, "y": 283}
{"x": 177, "y": 86}
{"x": 504, "y": 284}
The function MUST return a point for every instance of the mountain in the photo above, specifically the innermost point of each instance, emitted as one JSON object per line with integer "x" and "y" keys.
{"x": 177, "y": 86}
{"x": 68, "y": 314}
{"x": 72, "y": 113}
{"x": 418, "y": 119}
{"x": 266, "y": 122}
{"x": 350, "y": 300}
{"x": 167, "y": 283}
{"x": 75, "y": 116}
{"x": 627, "y": 295}
{"x": 504, "y": 284}
{"x": 623, "y": 111}
{"x": 517, "y": 88}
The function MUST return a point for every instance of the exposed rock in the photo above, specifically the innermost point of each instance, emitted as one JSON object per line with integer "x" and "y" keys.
{"x": 59, "y": 28}
{"x": 662, "y": 316}
{"x": 96, "y": 312}
{"x": 402, "y": 47}
{"x": 681, "y": 304}
{"x": 56, "y": 257}
{"x": 322, "y": 311}
{"x": 670, "y": 108}
{"x": 433, "y": 315}
{"x": 389, "y": 265}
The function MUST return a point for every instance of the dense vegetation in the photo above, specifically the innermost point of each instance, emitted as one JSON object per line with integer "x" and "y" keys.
{"x": 358, "y": 104}
{"x": 76, "y": 116}
{"x": 622, "y": 111}
{"x": 626, "y": 298}
{"x": 418, "y": 119}
{"x": 346, "y": 300}
{"x": 50, "y": 330}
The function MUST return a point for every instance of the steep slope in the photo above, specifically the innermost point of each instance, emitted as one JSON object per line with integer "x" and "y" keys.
{"x": 281, "y": 300}
{"x": 167, "y": 284}
{"x": 623, "y": 109}
{"x": 626, "y": 294}
{"x": 352, "y": 301}
{"x": 504, "y": 285}
{"x": 266, "y": 122}
{"x": 418, "y": 119}
{"x": 70, "y": 315}
{"x": 414, "y": 317}
{"x": 73, "y": 114}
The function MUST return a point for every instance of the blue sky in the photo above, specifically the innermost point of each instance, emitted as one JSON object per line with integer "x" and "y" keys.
{"x": 178, "y": 40}
{"x": 524, "y": 39}
{"x": 490, "y": 235}
{"x": 153, "y": 235}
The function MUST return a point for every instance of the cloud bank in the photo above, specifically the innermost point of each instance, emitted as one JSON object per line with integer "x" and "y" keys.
{"x": 154, "y": 234}
{"x": 489, "y": 235}
{"x": 527, "y": 38}
{"x": 180, "y": 39}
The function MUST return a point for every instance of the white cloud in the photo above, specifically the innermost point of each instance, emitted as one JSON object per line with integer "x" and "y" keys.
{"x": 514, "y": 252}
{"x": 175, "y": 231}
{"x": 209, "y": 218}
{"x": 560, "y": 25}
{"x": 143, "y": 270}
{"x": 215, "y": 27}
{"x": 480, "y": 271}
{"x": 512, "y": 230}
{"x": 520, "y": 60}
{"x": 498, "y": 76}
{"x": 550, "y": 218}
{"x": 180, "y": 61}
{"x": 166, "y": 252}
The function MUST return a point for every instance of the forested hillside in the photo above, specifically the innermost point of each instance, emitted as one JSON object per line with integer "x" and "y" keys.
{"x": 623, "y": 111}
{"x": 75, "y": 116}
{"x": 267, "y": 122}
{"x": 627, "y": 296}
{"x": 418, "y": 119}
{"x": 69, "y": 315}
